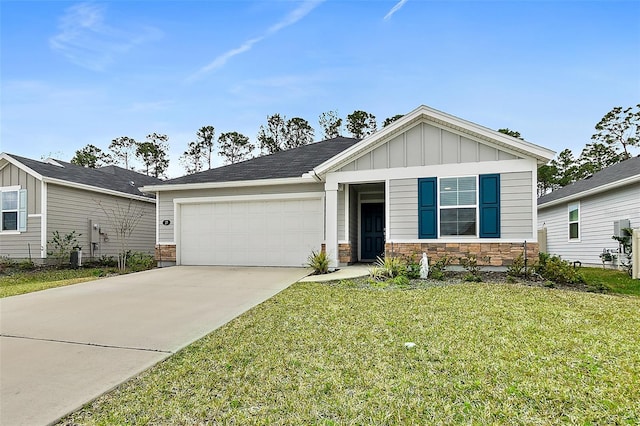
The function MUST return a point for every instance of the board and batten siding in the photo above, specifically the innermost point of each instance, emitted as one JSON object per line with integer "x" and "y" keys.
{"x": 25, "y": 245}
{"x": 11, "y": 175}
{"x": 426, "y": 145}
{"x": 516, "y": 207}
{"x": 166, "y": 201}
{"x": 597, "y": 214}
{"x": 71, "y": 209}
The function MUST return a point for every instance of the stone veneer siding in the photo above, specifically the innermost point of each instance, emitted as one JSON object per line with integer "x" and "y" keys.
{"x": 165, "y": 252}
{"x": 345, "y": 253}
{"x": 500, "y": 254}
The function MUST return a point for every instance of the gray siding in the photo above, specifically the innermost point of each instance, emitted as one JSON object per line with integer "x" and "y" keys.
{"x": 71, "y": 209}
{"x": 597, "y": 214}
{"x": 403, "y": 209}
{"x": 165, "y": 200}
{"x": 423, "y": 145}
{"x": 11, "y": 175}
{"x": 516, "y": 205}
{"x": 23, "y": 245}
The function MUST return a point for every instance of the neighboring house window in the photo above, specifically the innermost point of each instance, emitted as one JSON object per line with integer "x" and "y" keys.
{"x": 459, "y": 203}
{"x": 13, "y": 209}
{"x": 574, "y": 221}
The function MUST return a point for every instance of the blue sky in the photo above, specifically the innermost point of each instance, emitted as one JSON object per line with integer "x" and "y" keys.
{"x": 78, "y": 73}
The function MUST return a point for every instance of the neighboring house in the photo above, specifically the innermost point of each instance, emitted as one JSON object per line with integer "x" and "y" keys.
{"x": 580, "y": 219}
{"x": 40, "y": 197}
{"x": 428, "y": 182}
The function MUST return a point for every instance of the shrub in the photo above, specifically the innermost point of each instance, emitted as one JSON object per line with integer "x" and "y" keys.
{"x": 470, "y": 263}
{"x": 412, "y": 266}
{"x": 26, "y": 265}
{"x": 389, "y": 267}
{"x": 400, "y": 281}
{"x": 553, "y": 268}
{"x": 437, "y": 269}
{"x": 61, "y": 246}
{"x": 139, "y": 261}
{"x": 319, "y": 262}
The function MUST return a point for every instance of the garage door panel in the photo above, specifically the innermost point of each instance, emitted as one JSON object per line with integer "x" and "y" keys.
{"x": 245, "y": 233}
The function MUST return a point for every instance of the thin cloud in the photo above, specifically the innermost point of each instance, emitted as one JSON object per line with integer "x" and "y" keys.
{"x": 394, "y": 9}
{"x": 87, "y": 40}
{"x": 294, "y": 16}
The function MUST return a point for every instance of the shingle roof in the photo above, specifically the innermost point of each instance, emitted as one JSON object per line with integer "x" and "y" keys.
{"x": 109, "y": 177}
{"x": 283, "y": 164}
{"x": 619, "y": 171}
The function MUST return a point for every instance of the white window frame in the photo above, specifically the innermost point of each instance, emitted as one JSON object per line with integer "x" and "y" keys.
{"x": 570, "y": 208}
{"x": 17, "y": 190}
{"x": 461, "y": 206}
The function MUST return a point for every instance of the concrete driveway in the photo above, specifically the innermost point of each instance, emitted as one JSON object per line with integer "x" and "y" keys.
{"x": 63, "y": 347}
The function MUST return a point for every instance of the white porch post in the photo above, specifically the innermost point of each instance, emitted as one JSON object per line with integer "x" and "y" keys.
{"x": 331, "y": 223}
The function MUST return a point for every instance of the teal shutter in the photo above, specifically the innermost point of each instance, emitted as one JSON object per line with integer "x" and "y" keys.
{"x": 22, "y": 210}
{"x": 489, "y": 204}
{"x": 428, "y": 208}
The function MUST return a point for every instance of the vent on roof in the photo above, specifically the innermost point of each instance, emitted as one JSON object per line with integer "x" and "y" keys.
{"x": 53, "y": 162}
{"x": 132, "y": 183}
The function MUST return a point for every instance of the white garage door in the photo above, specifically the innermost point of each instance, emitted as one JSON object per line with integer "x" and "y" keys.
{"x": 272, "y": 232}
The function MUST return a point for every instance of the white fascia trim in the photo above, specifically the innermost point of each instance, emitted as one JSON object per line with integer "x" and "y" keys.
{"x": 170, "y": 243}
{"x": 441, "y": 170}
{"x": 542, "y": 155}
{"x": 590, "y": 192}
{"x": 99, "y": 190}
{"x": 260, "y": 197}
{"x": 19, "y": 165}
{"x": 307, "y": 178}
{"x": 35, "y": 215}
{"x": 43, "y": 219}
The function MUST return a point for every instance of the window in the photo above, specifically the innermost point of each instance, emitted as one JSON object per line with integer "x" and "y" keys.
{"x": 458, "y": 203}
{"x": 465, "y": 206}
{"x": 574, "y": 221}
{"x": 13, "y": 209}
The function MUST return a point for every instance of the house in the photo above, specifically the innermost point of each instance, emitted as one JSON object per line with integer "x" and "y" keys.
{"x": 41, "y": 197}
{"x": 580, "y": 219}
{"x": 429, "y": 182}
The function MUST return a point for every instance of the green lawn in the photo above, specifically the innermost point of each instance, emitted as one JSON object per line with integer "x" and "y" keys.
{"x": 329, "y": 354}
{"x": 616, "y": 281}
{"x": 29, "y": 281}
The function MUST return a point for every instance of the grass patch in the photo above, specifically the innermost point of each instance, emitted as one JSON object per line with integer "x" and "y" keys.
{"x": 613, "y": 280}
{"x": 29, "y": 281}
{"x": 321, "y": 354}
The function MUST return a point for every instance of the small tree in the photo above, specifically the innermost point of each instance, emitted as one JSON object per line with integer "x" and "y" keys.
{"x": 390, "y": 120}
{"x": 91, "y": 156}
{"x": 361, "y": 124}
{"x": 512, "y": 133}
{"x": 123, "y": 149}
{"x": 331, "y": 124}
{"x": 234, "y": 147}
{"x": 620, "y": 129}
{"x": 272, "y": 137}
{"x": 123, "y": 219}
{"x": 62, "y": 245}
{"x": 298, "y": 133}
{"x": 153, "y": 154}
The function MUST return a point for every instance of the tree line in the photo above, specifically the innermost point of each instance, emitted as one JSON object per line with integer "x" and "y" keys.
{"x": 278, "y": 134}
{"x": 616, "y": 134}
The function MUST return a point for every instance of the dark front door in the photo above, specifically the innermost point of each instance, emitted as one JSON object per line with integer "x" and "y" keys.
{"x": 372, "y": 235}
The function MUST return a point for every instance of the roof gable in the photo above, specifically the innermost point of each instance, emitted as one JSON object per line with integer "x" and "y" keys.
{"x": 110, "y": 178}
{"x": 464, "y": 132}
{"x": 621, "y": 173}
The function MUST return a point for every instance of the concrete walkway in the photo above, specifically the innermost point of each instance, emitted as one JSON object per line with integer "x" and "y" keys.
{"x": 63, "y": 347}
